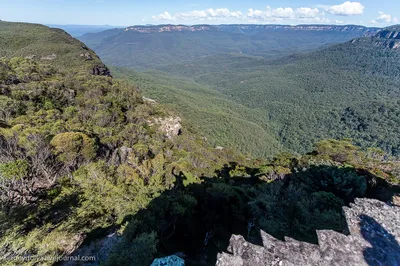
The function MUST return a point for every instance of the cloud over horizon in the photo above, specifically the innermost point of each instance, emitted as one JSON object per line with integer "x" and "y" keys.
{"x": 208, "y": 14}
{"x": 269, "y": 14}
{"x": 313, "y": 14}
{"x": 385, "y": 18}
{"x": 347, "y": 9}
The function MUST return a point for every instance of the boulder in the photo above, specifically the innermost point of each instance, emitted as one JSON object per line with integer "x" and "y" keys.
{"x": 101, "y": 70}
{"x": 170, "y": 126}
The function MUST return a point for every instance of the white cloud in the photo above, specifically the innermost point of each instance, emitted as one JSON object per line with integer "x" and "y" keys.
{"x": 286, "y": 12}
{"x": 346, "y": 9}
{"x": 385, "y": 18}
{"x": 270, "y": 14}
{"x": 164, "y": 16}
{"x": 306, "y": 12}
{"x": 209, "y": 14}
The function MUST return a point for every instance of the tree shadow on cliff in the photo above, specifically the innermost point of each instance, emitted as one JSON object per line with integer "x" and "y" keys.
{"x": 196, "y": 220}
{"x": 385, "y": 249}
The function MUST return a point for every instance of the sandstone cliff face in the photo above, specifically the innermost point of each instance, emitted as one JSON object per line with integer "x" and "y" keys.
{"x": 389, "y": 38}
{"x": 374, "y": 239}
{"x": 169, "y": 126}
{"x": 251, "y": 28}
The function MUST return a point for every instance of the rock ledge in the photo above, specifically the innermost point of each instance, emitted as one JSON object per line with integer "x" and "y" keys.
{"x": 374, "y": 239}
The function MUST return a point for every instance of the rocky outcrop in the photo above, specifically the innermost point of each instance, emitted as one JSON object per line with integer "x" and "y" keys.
{"x": 392, "y": 33}
{"x": 120, "y": 155}
{"x": 12, "y": 80}
{"x": 388, "y": 38}
{"x": 148, "y": 100}
{"x": 49, "y": 57}
{"x": 374, "y": 239}
{"x": 87, "y": 56}
{"x": 101, "y": 70}
{"x": 100, "y": 249}
{"x": 170, "y": 126}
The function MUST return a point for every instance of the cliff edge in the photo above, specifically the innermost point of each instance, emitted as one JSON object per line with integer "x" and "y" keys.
{"x": 374, "y": 239}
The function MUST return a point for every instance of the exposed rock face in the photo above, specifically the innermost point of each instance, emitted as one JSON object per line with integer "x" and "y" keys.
{"x": 49, "y": 57}
{"x": 250, "y": 28}
{"x": 149, "y": 100}
{"x": 87, "y": 56}
{"x": 120, "y": 155}
{"x": 101, "y": 70}
{"x": 170, "y": 126}
{"x": 31, "y": 57}
{"x": 374, "y": 240}
{"x": 100, "y": 249}
{"x": 389, "y": 34}
{"x": 389, "y": 38}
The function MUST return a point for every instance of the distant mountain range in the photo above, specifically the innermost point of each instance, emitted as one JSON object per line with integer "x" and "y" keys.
{"x": 79, "y": 30}
{"x": 251, "y": 28}
{"x": 146, "y": 47}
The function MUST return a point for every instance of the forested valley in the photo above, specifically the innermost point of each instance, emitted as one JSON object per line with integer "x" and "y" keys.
{"x": 249, "y": 101}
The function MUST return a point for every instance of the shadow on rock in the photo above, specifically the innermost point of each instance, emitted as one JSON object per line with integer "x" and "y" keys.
{"x": 385, "y": 249}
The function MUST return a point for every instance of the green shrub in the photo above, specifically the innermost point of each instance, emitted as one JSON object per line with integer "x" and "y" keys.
{"x": 70, "y": 146}
{"x": 14, "y": 170}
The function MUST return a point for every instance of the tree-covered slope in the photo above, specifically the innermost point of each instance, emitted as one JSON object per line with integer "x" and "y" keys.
{"x": 348, "y": 90}
{"x": 47, "y": 45}
{"x": 222, "y": 121}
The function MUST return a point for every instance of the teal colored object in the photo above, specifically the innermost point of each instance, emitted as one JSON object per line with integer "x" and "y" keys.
{"x": 169, "y": 261}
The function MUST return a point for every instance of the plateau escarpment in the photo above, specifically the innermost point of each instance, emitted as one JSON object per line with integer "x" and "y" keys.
{"x": 387, "y": 38}
{"x": 251, "y": 29}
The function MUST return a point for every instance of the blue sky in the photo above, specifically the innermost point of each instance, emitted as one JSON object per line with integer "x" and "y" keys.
{"x": 133, "y": 12}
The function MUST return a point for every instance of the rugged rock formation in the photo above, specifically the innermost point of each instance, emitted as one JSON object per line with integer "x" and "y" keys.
{"x": 120, "y": 155}
{"x": 101, "y": 70}
{"x": 388, "y": 37}
{"x": 170, "y": 126}
{"x": 99, "y": 248}
{"x": 87, "y": 56}
{"x": 149, "y": 100}
{"x": 374, "y": 239}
